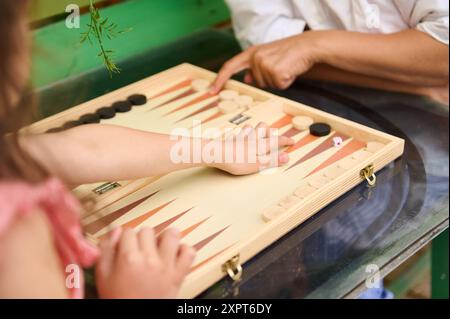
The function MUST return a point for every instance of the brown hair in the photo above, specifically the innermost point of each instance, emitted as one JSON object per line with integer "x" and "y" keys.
{"x": 15, "y": 99}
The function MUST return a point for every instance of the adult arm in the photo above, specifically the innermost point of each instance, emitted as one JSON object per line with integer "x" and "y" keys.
{"x": 410, "y": 57}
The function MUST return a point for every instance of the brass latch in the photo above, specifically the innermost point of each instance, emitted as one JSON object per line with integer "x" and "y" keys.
{"x": 368, "y": 174}
{"x": 233, "y": 268}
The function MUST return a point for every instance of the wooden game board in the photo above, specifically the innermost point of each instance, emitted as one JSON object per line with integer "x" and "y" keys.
{"x": 228, "y": 219}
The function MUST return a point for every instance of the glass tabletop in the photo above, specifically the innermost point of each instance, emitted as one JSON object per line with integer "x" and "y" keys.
{"x": 332, "y": 254}
{"x": 335, "y": 252}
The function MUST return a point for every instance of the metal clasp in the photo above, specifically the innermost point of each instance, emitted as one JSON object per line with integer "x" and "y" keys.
{"x": 102, "y": 189}
{"x": 233, "y": 268}
{"x": 239, "y": 119}
{"x": 368, "y": 174}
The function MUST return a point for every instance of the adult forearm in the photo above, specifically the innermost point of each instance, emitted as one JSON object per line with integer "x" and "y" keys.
{"x": 329, "y": 73}
{"x": 410, "y": 56}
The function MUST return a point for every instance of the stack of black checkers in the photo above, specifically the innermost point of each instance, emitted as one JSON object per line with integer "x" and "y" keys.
{"x": 104, "y": 113}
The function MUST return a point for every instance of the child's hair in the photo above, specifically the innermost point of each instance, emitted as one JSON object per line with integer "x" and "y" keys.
{"x": 15, "y": 100}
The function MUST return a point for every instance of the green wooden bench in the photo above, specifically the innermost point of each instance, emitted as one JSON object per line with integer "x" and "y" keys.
{"x": 59, "y": 55}
{"x": 45, "y": 9}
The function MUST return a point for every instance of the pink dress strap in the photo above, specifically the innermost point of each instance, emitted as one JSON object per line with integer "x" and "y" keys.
{"x": 18, "y": 198}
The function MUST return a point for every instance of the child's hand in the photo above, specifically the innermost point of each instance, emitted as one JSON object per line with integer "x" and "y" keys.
{"x": 139, "y": 265}
{"x": 253, "y": 150}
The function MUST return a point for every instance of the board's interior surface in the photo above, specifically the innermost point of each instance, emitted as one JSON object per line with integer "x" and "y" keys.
{"x": 213, "y": 210}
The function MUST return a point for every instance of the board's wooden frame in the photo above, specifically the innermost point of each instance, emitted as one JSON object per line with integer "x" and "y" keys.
{"x": 208, "y": 274}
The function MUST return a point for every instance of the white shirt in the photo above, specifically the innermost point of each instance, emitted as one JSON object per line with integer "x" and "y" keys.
{"x": 261, "y": 21}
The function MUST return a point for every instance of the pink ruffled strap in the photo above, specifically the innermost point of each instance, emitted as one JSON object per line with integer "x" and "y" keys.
{"x": 62, "y": 210}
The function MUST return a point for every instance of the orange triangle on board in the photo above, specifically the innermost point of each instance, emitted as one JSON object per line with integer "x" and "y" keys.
{"x": 208, "y": 239}
{"x": 106, "y": 220}
{"x": 345, "y": 151}
{"x": 193, "y": 102}
{"x": 139, "y": 220}
{"x": 285, "y": 120}
{"x": 161, "y": 227}
{"x": 174, "y": 88}
{"x": 190, "y": 229}
{"x": 304, "y": 141}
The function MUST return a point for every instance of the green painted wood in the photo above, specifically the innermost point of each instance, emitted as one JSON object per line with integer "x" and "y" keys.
{"x": 439, "y": 267}
{"x": 43, "y": 9}
{"x": 412, "y": 276}
{"x": 208, "y": 48}
{"x": 58, "y": 54}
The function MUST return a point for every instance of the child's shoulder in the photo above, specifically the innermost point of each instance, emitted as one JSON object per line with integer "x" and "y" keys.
{"x": 27, "y": 255}
{"x": 26, "y": 239}
{"x": 50, "y": 208}
{"x": 18, "y": 198}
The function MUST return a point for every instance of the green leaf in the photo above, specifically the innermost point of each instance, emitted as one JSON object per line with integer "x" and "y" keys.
{"x": 99, "y": 28}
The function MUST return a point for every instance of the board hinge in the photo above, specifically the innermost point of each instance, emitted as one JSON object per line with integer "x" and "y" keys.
{"x": 233, "y": 268}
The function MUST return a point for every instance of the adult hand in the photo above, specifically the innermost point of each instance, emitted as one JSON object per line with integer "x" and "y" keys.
{"x": 275, "y": 64}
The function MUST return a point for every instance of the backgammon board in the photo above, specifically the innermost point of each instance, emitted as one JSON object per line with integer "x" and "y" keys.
{"x": 228, "y": 219}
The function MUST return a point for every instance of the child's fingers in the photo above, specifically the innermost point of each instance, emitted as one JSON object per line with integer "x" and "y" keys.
{"x": 186, "y": 256}
{"x": 273, "y": 143}
{"x": 228, "y": 136}
{"x": 277, "y": 142}
{"x": 283, "y": 158}
{"x": 284, "y": 141}
{"x": 113, "y": 238}
{"x": 108, "y": 250}
{"x": 262, "y": 130}
{"x": 128, "y": 242}
{"x": 245, "y": 132}
{"x": 147, "y": 241}
{"x": 274, "y": 159}
{"x": 169, "y": 243}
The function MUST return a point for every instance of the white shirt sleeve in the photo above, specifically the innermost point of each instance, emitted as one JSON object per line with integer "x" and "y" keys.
{"x": 262, "y": 21}
{"x": 431, "y": 17}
